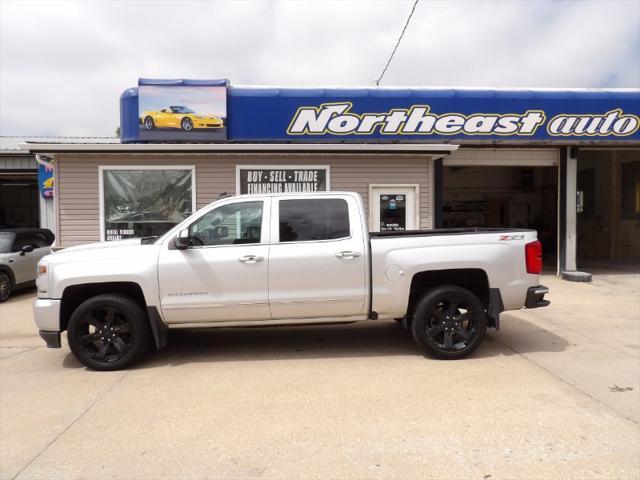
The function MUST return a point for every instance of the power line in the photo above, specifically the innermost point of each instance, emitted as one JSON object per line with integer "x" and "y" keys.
{"x": 384, "y": 70}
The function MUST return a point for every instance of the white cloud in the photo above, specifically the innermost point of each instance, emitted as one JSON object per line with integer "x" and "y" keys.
{"x": 64, "y": 64}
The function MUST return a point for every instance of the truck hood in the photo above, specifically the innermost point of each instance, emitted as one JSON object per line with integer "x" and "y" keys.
{"x": 110, "y": 252}
{"x": 101, "y": 245}
{"x": 103, "y": 251}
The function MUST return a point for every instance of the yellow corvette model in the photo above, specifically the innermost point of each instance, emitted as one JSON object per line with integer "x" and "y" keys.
{"x": 177, "y": 116}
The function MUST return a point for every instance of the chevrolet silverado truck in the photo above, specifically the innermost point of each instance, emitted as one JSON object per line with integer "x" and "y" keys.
{"x": 284, "y": 259}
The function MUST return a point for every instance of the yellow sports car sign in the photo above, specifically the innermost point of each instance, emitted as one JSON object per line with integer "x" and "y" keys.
{"x": 182, "y": 110}
{"x": 179, "y": 116}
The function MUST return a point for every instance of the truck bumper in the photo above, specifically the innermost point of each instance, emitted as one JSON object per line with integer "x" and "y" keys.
{"x": 46, "y": 312}
{"x": 535, "y": 297}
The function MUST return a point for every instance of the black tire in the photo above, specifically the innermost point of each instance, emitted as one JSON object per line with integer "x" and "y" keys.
{"x": 6, "y": 285}
{"x": 108, "y": 332}
{"x": 148, "y": 123}
{"x": 449, "y": 322}
{"x": 186, "y": 124}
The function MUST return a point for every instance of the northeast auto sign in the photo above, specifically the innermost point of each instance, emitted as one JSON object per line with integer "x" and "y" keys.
{"x": 338, "y": 119}
{"x": 386, "y": 115}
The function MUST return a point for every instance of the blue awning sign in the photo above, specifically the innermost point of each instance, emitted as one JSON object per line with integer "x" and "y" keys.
{"x": 272, "y": 114}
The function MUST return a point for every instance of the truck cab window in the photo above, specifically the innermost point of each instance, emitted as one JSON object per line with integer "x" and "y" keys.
{"x": 314, "y": 219}
{"x": 232, "y": 224}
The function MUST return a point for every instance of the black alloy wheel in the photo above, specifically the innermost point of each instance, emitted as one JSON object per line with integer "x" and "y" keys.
{"x": 6, "y": 286}
{"x": 108, "y": 332}
{"x": 149, "y": 124}
{"x": 186, "y": 124}
{"x": 449, "y": 322}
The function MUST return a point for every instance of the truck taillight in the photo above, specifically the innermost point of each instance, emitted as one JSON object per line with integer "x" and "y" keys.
{"x": 533, "y": 257}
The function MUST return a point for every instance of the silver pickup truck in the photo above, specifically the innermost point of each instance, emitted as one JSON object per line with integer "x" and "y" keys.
{"x": 284, "y": 259}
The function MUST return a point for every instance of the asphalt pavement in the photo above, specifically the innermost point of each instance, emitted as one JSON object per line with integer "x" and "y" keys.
{"x": 554, "y": 394}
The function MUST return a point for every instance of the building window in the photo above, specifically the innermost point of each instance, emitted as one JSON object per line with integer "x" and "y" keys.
{"x": 257, "y": 179}
{"x": 316, "y": 219}
{"x": 630, "y": 190}
{"x": 144, "y": 201}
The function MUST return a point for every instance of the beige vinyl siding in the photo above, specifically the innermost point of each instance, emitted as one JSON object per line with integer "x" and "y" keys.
{"x": 503, "y": 157}
{"x": 77, "y": 180}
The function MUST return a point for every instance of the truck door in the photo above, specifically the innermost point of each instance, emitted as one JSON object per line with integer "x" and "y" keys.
{"x": 223, "y": 275}
{"x": 317, "y": 261}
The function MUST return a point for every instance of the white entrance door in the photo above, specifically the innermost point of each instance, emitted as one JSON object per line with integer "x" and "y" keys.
{"x": 393, "y": 208}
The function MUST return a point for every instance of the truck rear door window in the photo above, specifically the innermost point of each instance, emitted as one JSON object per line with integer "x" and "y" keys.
{"x": 313, "y": 219}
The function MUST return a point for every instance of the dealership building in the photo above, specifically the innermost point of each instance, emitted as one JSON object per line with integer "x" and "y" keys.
{"x": 563, "y": 162}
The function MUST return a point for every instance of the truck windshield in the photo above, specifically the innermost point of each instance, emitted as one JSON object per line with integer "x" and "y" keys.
{"x": 6, "y": 241}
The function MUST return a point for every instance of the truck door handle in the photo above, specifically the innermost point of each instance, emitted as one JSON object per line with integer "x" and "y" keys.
{"x": 250, "y": 259}
{"x": 347, "y": 254}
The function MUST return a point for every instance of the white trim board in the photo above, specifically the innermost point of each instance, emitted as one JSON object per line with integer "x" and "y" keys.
{"x": 239, "y": 147}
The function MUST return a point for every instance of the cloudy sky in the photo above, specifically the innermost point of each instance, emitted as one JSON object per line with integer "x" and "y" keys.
{"x": 63, "y": 64}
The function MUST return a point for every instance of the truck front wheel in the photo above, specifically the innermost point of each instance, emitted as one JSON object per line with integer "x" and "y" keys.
{"x": 449, "y": 322}
{"x": 108, "y": 332}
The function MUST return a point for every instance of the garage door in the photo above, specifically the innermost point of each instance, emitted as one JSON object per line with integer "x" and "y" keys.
{"x": 503, "y": 157}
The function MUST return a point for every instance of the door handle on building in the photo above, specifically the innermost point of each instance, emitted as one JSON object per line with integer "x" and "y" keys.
{"x": 250, "y": 259}
{"x": 347, "y": 254}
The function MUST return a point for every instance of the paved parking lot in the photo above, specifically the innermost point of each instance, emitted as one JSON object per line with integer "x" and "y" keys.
{"x": 554, "y": 394}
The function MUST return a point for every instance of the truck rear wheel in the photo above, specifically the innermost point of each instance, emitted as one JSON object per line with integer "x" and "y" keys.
{"x": 449, "y": 322}
{"x": 108, "y": 332}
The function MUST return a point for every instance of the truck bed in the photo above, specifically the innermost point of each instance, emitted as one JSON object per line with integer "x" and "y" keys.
{"x": 497, "y": 252}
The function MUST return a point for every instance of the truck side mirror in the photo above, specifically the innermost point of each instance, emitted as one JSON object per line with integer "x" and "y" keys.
{"x": 182, "y": 240}
{"x": 26, "y": 249}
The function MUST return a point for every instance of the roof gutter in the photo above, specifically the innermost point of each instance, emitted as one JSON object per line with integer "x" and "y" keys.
{"x": 50, "y": 148}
